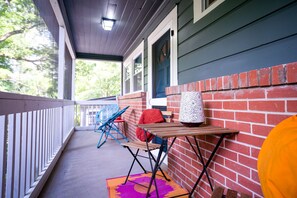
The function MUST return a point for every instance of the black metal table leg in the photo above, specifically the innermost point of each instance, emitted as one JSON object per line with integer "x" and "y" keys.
{"x": 207, "y": 163}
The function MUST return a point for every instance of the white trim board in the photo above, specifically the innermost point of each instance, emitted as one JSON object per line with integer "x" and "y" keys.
{"x": 168, "y": 23}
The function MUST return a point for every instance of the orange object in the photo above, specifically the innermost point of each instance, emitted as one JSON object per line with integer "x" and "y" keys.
{"x": 277, "y": 161}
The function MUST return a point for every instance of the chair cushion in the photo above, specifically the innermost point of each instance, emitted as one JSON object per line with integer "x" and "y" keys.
{"x": 277, "y": 161}
{"x": 148, "y": 116}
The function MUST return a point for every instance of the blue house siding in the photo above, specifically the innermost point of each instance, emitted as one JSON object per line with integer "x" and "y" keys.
{"x": 237, "y": 36}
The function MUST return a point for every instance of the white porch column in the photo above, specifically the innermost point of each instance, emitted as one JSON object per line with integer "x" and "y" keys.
{"x": 73, "y": 80}
{"x": 61, "y": 64}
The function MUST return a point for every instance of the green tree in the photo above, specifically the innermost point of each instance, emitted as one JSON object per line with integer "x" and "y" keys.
{"x": 26, "y": 67}
{"x": 97, "y": 79}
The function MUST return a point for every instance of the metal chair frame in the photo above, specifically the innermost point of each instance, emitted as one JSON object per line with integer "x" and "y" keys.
{"x": 108, "y": 126}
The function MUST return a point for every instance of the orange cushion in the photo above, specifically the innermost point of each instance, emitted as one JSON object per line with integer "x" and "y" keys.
{"x": 277, "y": 161}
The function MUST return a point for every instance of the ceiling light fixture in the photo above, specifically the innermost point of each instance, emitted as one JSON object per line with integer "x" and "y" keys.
{"x": 107, "y": 24}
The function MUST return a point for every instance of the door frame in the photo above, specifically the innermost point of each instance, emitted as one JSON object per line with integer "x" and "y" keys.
{"x": 168, "y": 23}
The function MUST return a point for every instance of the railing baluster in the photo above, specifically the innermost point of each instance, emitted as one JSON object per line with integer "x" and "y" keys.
{"x": 24, "y": 142}
{"x": 34, "y": 147}
{"x": 3, "y": 137}
{"x": 29, "y": 151}
{"x": 17, "y": 155}
{"x": 10, "y": 156}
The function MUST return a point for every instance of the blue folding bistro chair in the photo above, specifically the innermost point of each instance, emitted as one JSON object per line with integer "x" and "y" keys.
{"x": 108, "y": 126}
{"x": 102, "y": 115}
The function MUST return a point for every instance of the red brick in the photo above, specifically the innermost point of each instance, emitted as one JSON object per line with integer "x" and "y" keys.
{"x": 250, "y": 184}
{"x": 278, "y": 75}
{"x": 173, "y": 90}
{"x": 243, "y": 80}
{"x": 235, "y": 105}
{"x": 208, "y": 85}
{"x": 214, "y": 84}
{"x": 239, "y": 148}
{"x": 274, "y": 119}
{"x": 215, "y": 122}
{"x": 208, "y": 113}
{"x": 253, "y": 78}
{"x": 226, "y": 82}
{"x": 238, "y": 187}
{"x": 288, "y": 91}
{"x": 292, "y": 72}
{"x": 223, "y": 115}
{"x": 251, "y": 140}
{"x": 274, "y": 106}
{"x": 255, "y": 152}
{"x": 227, "y": 154}
{"x": 250, "y": 93}
{"x": 250, "y": 117}
{"x": 207, "y": 96}
{"x": 292, "y": 106}
{"x": 234, "y": 81}
{"x": 220, "y": 83}
{"x": 255, "y": 176}
{"x": 213, "y": 104}
{"x": 202, "y": 85}
{"x": 244, "y": 127}
{"x": 226, "y": 172}
{"x": 262, "y": 130}
{"x": 264, "y": 76}
{"x": 224, "y": 95}
{"x": 247, "y": 161}
{"x": 237, "y": 168}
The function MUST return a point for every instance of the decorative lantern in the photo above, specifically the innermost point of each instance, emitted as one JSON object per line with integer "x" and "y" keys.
{"x": 191, "y": 109}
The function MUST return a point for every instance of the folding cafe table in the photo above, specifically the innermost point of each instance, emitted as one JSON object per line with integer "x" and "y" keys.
{"x": 174, "y": 130}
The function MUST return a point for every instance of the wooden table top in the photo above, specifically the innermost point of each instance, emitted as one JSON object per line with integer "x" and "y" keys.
{"x": 167, "y": 130}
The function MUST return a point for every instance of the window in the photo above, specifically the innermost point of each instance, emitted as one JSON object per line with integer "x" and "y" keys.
{"x": 203, "y": 7}
{"x": 137, "y": 73}
{"x": 133, "y": 71}
{"x": 127, "y": 77}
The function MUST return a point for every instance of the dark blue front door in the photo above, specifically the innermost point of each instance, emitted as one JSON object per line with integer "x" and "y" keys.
{"x": 161, "y": 65}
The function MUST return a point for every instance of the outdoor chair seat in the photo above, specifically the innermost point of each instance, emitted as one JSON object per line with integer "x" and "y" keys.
{"x": 143, "y": 144}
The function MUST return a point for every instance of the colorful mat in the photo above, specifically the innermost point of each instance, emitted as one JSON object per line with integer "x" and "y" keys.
{"x": 131, "y": 190}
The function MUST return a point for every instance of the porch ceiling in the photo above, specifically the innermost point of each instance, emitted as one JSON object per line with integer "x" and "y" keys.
{"x": 83, "y": 18}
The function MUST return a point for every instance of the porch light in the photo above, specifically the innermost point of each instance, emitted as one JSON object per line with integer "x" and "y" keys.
{"x": 107, "y": 24}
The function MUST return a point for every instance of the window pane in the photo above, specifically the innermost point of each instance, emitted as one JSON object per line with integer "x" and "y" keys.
{"x": 137, "y": 82}
{"x": 138, "y": 64}
{"x": 208, "y": 3}
{"x": 127, "y": 72}
{"x": 127, "y": 86}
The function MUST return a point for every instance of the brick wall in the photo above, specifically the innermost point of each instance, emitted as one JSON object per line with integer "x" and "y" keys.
{"x": 252, "y": 102}
{"x": 137, "y": 103}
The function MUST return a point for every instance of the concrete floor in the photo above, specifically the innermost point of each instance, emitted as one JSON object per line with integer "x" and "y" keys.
{"x": 82, "y": 169}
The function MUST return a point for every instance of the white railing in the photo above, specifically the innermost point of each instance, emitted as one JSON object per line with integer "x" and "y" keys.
{"x": 86, "y": 112}
{"x": 34, "y": 131}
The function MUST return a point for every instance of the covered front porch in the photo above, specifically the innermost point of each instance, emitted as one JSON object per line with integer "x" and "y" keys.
{"x": 241, "y": 55}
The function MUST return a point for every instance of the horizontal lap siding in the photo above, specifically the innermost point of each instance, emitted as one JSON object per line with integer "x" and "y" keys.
{"x": 252, "y": 107}
{"x": 238, "y": 36}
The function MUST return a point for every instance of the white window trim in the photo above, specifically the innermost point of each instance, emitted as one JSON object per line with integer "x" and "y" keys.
{"x": 168, "y": 23}
{"x": 130, "y": 61}
{"x": 199, "y": 13}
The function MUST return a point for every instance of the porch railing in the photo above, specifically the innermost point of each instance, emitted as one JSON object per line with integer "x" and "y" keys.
{"x": 86, "y": 112}
{"x": 34, "y": 131}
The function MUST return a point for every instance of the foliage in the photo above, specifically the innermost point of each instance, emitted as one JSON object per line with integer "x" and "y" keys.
{"x": 97, "y": 79}
{"x": 28, "y": 53}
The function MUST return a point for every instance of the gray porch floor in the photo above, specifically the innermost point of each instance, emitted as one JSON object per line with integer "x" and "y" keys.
{"x": 82, "y": 169}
